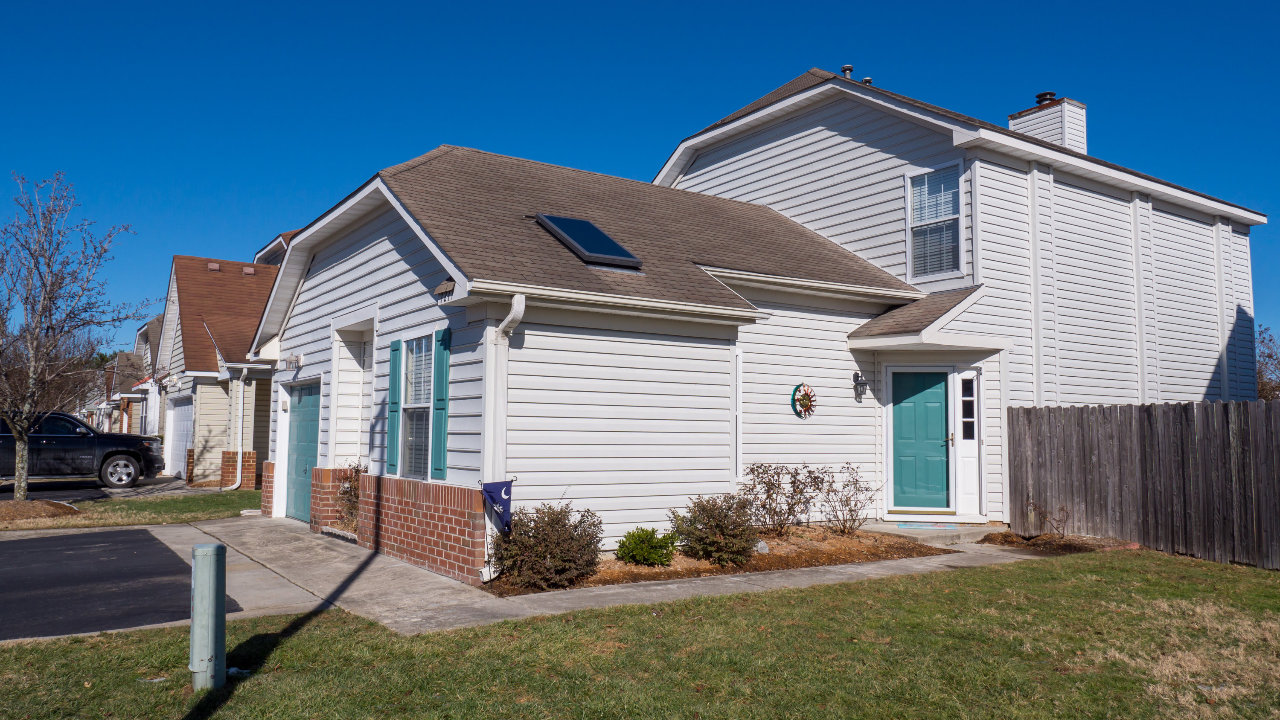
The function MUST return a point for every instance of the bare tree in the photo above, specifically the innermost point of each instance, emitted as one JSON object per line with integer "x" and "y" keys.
{"x": 1268, "y": 365}
{"x": 54, "y": 311}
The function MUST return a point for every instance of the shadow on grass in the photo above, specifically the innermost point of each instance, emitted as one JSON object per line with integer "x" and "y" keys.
{"x": 252, "y": 654}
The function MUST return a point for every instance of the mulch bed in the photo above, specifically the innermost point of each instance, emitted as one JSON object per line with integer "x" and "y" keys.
{"x": 1057, "y": 544}
{"x": 804, "y": 547}
{"x": 33, "y": 509}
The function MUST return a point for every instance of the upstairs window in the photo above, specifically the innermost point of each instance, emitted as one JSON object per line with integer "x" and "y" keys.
{"x": 935, "y": 222}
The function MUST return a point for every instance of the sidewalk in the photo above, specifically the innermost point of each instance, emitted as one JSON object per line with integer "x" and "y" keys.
{"x": 410, "y": 600}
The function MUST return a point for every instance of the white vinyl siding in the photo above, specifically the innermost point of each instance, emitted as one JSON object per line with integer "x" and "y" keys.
{"x": 1097, "y": 329}
{"x": 382, "y": 263}
{"x": 1186, "y": 303}
{"x": 1239, "y": 315}
{"x": 837, "y": 169}
{"x": 626, "y": 422}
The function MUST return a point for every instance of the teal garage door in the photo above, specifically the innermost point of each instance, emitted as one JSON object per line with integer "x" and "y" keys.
{"x": 304, "y": 448}
{"x": 920, "y": 476}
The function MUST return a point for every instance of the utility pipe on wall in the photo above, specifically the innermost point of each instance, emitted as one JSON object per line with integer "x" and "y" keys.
{"x": 244, "y": 374}
{"x": 496, "y": 392}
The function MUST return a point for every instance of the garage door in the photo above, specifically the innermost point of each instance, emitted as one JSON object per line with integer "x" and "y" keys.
{"x": 179, "y": 438}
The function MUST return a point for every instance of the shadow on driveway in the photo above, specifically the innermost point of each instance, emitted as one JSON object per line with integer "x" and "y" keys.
{"x": 86, "y": 582}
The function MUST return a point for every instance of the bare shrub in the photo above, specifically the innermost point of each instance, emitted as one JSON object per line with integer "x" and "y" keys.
{"x": 844, "y": 498}
{"x": 781, "y": 495}
{"x": 349, "y": 494}
{"x": 1057, "y": 522}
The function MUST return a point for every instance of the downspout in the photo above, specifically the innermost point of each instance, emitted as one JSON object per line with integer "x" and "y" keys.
{"x": 496, "y": 405}
{"x": 244, "y": 375}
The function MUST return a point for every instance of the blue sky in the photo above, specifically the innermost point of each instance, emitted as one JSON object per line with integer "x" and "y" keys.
{"x": 212, "y": 127}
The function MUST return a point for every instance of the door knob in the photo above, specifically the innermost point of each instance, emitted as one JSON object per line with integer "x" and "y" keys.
{"x": 951, "y": 439}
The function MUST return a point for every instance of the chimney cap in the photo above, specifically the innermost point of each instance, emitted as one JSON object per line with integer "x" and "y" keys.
{"x": 847, "y": 70}
{"x": 1047, "y": 96}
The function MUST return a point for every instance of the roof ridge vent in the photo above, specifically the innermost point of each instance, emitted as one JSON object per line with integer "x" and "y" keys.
{"x": 214, "y": 267}
{"x": 248, "y": 270}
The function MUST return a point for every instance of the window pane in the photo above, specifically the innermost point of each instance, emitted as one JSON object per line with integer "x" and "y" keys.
{"x": 967, "y": 430}
{"x": 935, "y": 248}
{"x": 966, "y": 387}
{"x": 935, "y": 196}
{"x": 966, "y": 409}
{"x": 417, "y": 442}
{"x": 417, "y": 371}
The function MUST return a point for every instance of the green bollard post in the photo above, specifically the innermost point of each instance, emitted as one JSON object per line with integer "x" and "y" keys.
{"x": 208, "y": 616}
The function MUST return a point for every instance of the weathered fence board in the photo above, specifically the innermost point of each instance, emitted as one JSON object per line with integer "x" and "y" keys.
{"x": 1201, "y": 479}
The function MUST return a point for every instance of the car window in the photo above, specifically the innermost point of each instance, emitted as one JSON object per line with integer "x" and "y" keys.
{"x": 54, "y": 425}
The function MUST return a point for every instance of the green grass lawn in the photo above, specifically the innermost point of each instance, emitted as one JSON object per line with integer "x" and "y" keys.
{"x": 147, "y": 511}
{"x": 1129, "y": 634}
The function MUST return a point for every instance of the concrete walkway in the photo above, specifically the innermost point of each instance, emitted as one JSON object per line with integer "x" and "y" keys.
{"x": 410, "y": 600}
{"x": 277, "y": 566}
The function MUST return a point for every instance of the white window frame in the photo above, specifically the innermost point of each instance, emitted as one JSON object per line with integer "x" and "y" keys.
{"x": 959, "y": 217}
{"x": 428, "y": 340}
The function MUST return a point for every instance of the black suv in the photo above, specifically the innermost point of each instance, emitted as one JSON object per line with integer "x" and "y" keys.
{"x": 63, "y": 446}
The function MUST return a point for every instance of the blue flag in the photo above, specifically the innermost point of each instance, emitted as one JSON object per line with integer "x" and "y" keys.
{"x": 499, "y": 496}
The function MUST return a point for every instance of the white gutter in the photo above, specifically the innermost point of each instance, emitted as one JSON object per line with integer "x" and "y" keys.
{"x": 815, "y": 287}
{"x": 497, "y": 342}
{"x": 244, "y": 375}
{"x": 604, "y": 302}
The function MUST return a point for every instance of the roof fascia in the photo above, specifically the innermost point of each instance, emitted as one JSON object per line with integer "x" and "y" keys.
{"x": 815, "y": 287}
{"x": 1000, "y": 142}
{"x": 602, "y": 302}
{"x": 934, "y": 340}
{"x": 279, "y": 240}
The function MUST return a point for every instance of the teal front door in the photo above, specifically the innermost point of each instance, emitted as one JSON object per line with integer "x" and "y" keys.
{"x": 920, "y": 457}
{"x": 304, "y": 446}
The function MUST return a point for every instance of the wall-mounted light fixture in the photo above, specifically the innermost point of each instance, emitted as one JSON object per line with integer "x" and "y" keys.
{"x": 860, "y": 385}
{"x": 293, "y": 362}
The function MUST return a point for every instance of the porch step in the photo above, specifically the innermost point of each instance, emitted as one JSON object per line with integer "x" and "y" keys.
{"x": 935, "y": 534}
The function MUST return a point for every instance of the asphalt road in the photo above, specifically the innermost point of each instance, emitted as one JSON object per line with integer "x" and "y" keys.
{"x": 86, "y": 582}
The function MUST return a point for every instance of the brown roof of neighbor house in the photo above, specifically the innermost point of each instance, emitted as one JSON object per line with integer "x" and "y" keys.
{"x": 818, "y": 76}
{"x": 288, "y": 236}
{"x": 480, "y": 208}
{"x": 124, "y": 371}
{"x": 221, "y": 307}
{"x": 914, "y": 317}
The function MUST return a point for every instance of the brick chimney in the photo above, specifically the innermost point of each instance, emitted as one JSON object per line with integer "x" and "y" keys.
{"x": 1057, "y": 120}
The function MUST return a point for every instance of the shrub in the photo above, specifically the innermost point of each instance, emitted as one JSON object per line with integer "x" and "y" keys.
{"x": 550, "y": 546}
{"x": 844, "y": 499}
{"x": 782, "y": 495}
{"x": 717, "y": 528}
{"x": 349, "y": 495}
{"x": 644, "y": 546}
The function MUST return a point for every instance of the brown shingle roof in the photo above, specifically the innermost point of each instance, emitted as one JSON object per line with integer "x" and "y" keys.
{"x": 914, "y": 317}
{"x": 227, "y": 302}
{"x": 817, "y": 76}
{"x": 479, "y": 207}
{"x": 154, "y": 327}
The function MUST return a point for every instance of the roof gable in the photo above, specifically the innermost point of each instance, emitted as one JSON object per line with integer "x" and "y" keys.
{"x": 816, "y": 77}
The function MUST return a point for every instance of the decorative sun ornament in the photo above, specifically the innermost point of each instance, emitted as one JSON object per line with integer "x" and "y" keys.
{"x": 803, "y": 401}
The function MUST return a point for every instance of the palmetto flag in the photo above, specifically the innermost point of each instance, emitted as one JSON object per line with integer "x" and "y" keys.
{"x": 499, "y": 496}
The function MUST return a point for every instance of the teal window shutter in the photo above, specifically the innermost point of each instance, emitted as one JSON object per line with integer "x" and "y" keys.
{"x": 393, "y": 411}
{"x": 440, "y": 404}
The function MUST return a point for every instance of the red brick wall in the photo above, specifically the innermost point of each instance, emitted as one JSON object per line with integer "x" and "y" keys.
{"x": 191, "y": 464}
{"x": 438, "y": 527}
{"x": 248, "y": 469}
{"x": 324, "y": 497}
{"x": 268, "y": 485}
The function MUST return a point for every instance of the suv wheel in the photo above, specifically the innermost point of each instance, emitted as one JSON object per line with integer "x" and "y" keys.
{"x": 120, "y": 471}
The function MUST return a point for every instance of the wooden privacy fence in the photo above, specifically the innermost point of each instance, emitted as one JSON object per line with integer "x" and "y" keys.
{"x": 1200, "y": 479}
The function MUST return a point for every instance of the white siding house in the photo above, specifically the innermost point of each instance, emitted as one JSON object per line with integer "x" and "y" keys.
{"x": 921, "y": 271}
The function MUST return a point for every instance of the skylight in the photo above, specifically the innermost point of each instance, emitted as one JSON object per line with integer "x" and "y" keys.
{"x": 588, "y": 241}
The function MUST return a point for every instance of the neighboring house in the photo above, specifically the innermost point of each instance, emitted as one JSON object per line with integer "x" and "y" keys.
{"x": 440, "y": 326}
{"x": 146, "y": 345}
{"x": 120, "y": 406}
{"x": 215, "y": 414}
